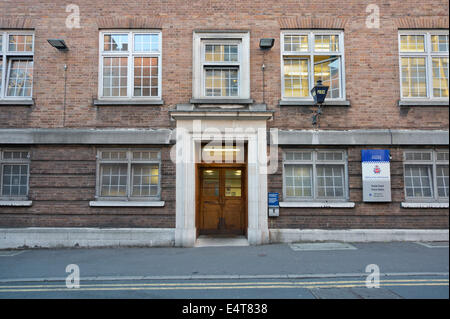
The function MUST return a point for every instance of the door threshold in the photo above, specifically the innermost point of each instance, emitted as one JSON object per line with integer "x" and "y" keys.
{"x": 220, "y": 241}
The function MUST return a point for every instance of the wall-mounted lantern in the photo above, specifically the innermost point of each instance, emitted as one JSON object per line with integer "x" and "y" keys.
{"x": 318, "y": 92}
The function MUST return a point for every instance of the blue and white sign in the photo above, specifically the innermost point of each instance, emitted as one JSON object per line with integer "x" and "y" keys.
{"x": 274, "y": 200}
{"x": 376, "y": 175}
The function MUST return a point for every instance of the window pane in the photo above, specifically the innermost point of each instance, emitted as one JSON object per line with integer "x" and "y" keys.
{"x": 15, "y": 180}
{"x": 329, "y": 156}
{"x": 296, "y": 43}
{"x": 298, "y": 180}
{"x": 442, "y": 180}
{"x": 418, "y": 181}
{"x": 15, "y": 155}
{"x": 221, "y": 53}
{"x": 115, "y": 72}
{"x": 440, "y": 77}
{"x": 413, "y": 77}
{"x": 115, "y": 42}
{"x": 326, "y": 43}
{"x": 418, "y": 156}
{"x": 233, "y": 178}
{"x": 114, "y": 155}
{"x": 146, "y": 42}
{"x": 20, "y": 78}
{"x": 327, "y": 69}
{"x": 113, "y": 180}
{"x": 442, "y": 156}
{"x": 145, "y": 180}
{"x": 222, "y": 82}
{"x": 330, "y": 181}
{"x": 412, "y": 43}
{"x": 439, "y": 43}
{"x": 21, "y": 43}
{"x": 145, "y": 155}
{"x": 145, "y": 76}
{"x": 296, "y": 78}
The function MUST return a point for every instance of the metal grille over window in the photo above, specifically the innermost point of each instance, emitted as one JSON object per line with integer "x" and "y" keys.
{"x": 131, "y": 65}
{"x": 16, "y": 65}
{"x": 14, "y": 174}
{"x": 426, "y": 175}
{"x": 309, "y": 56}
{"x": 424, "y": 65}
{"x": 315, "y": 175}
{"x": 129, "y": 175}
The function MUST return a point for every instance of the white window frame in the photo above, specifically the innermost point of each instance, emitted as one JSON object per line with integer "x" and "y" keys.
{"x": 311, "y": 53}
{"x": 6, "y": 56}
{"x": 428, "y": 55}
{"x": 129, "y": 161}
{"x": 200, "y": 39}
{"x": 130, "y": 54}
{"x": 433, "y": 163}
{"x": 19, "y": 161}
{"x": 314, "y": 162}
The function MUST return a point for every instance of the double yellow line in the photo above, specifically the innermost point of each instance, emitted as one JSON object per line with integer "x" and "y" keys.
{"x": 223, "y": 285}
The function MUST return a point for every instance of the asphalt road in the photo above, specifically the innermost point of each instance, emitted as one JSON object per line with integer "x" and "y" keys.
{"x": 407, "y": 270}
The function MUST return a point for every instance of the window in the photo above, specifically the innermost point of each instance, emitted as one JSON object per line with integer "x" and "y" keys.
{"x": 16, "y": 65}
{"x": 315, "y": 175}
{"x": 130, "y": 65}
{"x": 14, "y": 174}
{"x": 424, "y": 64}
{"x": 426, "y": 175}
{"x": 221, "y": 66}
{"x": 128, "y": 174}
{"x": 309, "y": 56}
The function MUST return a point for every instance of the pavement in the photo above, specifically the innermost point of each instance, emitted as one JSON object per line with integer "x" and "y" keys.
{"x": 300, "y": 271}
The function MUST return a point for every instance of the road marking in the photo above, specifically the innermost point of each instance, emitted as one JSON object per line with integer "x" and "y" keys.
{"x": 11, "y": 253}
{"x": 208, "y": 286}
{"x": 321, "y": 246}
{"x": 431, "y": 245}
{"x": 235, "y": 283}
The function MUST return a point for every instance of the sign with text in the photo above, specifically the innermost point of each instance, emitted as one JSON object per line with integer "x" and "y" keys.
{"x": 274, "y": 200}
{"x": 376, "y": 175}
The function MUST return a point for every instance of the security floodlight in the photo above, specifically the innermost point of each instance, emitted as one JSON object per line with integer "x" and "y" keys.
{"x": 266, "y": 44}
{"x": 58, "y": 44}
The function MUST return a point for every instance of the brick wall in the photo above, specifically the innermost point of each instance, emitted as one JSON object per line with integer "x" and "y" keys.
{"x": 62, "y": 182}
{"x": 364, "y": 215}
{"x": 372, "y": 76}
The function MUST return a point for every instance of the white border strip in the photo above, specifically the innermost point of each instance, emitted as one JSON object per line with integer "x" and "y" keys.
{"x": 424, "y": 205}
{"x": 357, "y": 235}
{"x": 126, "y": 204}
{"x": 16, "y": 203}
{"x": 318, "y": 204}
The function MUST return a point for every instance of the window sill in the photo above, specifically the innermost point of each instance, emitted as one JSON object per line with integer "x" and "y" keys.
{"x": 422, "y": 103}
{"x": 424, "y": 205}
{"x": 27, "y": 102}
{"x": 345, "y": 103}
{"x": 106, "y": 203}
{"x": 317, "y": 204}
{"x": 221, "y": 101}
{"x": 16, "y": 203}
{"x": 127, "y": 102}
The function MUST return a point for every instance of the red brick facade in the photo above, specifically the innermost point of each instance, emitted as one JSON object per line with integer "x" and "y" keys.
{"x": 63, "y": 177}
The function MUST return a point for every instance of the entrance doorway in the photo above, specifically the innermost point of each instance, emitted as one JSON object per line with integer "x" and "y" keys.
{"x": 222, "y": 200}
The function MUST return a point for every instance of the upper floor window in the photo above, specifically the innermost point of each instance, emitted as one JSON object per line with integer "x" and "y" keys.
{"x": 424, "y": 64}
{"x": 221, "y": 65}
{"x": 315, "y": 175}
{"x": 426, "y": 175}
{"x": 130, "y": 65}
{"x": 308, "y": 56}
{"x": 16, "y": 65}
{"x": 15, "y": 166}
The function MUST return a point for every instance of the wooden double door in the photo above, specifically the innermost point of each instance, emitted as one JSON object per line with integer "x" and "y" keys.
{"x": 222, "y": 200}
